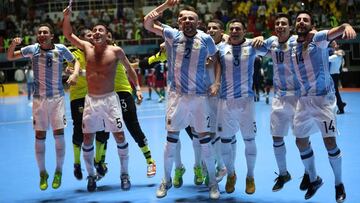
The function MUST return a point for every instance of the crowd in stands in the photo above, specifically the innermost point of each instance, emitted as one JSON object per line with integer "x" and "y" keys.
{"x": 20, "y": 17}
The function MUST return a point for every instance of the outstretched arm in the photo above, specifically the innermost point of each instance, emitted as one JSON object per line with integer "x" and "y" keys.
{"x": 345, "y": 30}
{"x": 149, "y": 19}
{"x": 131, "y": 73}
{"x": 11, "y": 53}
{"x": 68, "y": 32}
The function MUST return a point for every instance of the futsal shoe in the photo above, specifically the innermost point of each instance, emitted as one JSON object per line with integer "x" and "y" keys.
{"x": 313, "y": 187}
{"x": 163, "y": 188}
{"x": 340, "y": 193}
{"x": 43, "y": 180}
{"x": 57, "y": 180}
{"x": 125, "y": 182}
{"x": 77, "y": 172}
{"x": 178, "y": 180}
{"x": 250, "y": 185}
{"x": 280, "y": 181}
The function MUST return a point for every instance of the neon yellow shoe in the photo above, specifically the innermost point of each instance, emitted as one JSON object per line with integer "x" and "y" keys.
{"x": 43, "y": 180}
{"x": 198, "y": 176}
{"x": 178, "y": 181}
{"x": 250, "y": 185}
{"x": 57, "y": 180}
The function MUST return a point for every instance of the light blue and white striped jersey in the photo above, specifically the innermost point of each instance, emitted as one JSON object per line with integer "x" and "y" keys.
{"x": 170, "y": 71}
{"x": 211, "y": 67}
{"x": 188, "y": 58}
{"x": 48, "y": 67}
{"x": 311, "y": 63}
{"x": 284, "y": 77}
{"x": 237, "y": 69}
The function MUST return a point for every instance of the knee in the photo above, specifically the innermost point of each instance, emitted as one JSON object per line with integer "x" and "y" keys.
{"x": 102, "y": 136}
{"x": 59, "y": 132}
{"x": 88, "y": 139}
{"x": 119, "y": 137}
{"x": 77, "y": 138}
{"x": 302, "y": 143}
{"x": 278, "y": 139}
{"x": 40, "y": 135}
{"x": 330, "y": 143}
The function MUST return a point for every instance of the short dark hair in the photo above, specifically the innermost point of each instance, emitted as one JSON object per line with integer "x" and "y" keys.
{"x": 308, "y": 13}
{"x": 102, "y": 24}
{"x": 221, "y": 24}
{"x": 236, "y": 20}
{"x": 188, "y": 8}
{"x": 82, "y": 30}
{"x": 47, "y": 25}
{"x": 284, "y": 15}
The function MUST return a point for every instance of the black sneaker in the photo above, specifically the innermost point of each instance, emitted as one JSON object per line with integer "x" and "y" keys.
{"x": 341, "y": 109}
{"x": 313, "y": 187}
{"x": 305, "y": 182}
{"x": 77, "y": 172}
{"x": 101, "y": 168}
{"x": 280, "y": 181}
{"x": 267, "y": 100}
{"x": 91, "y": 186}
{"x": 125, "y": 182}
{"x": 340, "y": 193}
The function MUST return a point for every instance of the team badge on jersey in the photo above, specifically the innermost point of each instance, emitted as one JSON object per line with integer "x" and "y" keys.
{"x": 245, "y": 51}
{"x": 196, "y": 45}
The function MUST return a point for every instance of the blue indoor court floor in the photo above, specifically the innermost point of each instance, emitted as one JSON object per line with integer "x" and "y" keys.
{"x": 19, "y": 180}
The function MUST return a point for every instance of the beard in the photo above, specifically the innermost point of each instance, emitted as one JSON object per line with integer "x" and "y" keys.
{"x": 302, "y": 32}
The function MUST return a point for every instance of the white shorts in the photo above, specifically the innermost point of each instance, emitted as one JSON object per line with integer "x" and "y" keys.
{"x": 213, "y": 103}
{"x": 102, "y": 112}
{"x": 185, "y": 110}
{"x": 282, "y": 115}
{"x": 235, "y": 114}
{"x": 49, "y": 111}
{"x": 314, "y": 113}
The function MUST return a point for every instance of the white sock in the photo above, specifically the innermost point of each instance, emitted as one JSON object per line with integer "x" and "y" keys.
{"x": 207, "y": 154}
{"x": 60, "y": 151}
{"x": 335, "y": 159}
{"x": 88, "y": 154}
{"x": 227, "y": 154}
{"x": 308, "y": 159}
{"x": 250, "y": 155}
{"x": 170, "y": 153}
{"x": 216, "y": 142}
{"x": 40, "y": 153}
{"x": 234, "y": 146}
{"x": 280, "y": 156}
{"x": 123, "y": 152}
{"x": 177, "y": 158}
{"x": 197, "y": 150}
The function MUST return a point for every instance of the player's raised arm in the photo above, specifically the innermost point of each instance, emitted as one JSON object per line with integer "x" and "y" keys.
{"x": 11, "y": 53}
{"x": 68, "y": 32}
{"x": 345, "y": 30}
{"x": 149, "y": 19}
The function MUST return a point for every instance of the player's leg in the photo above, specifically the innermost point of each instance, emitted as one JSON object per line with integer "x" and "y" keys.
{"x": 77, "y": 107}
{"x": 128, "y": 108}
{"x": 58, "y": 123}
{"x": 100, "y": 153}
